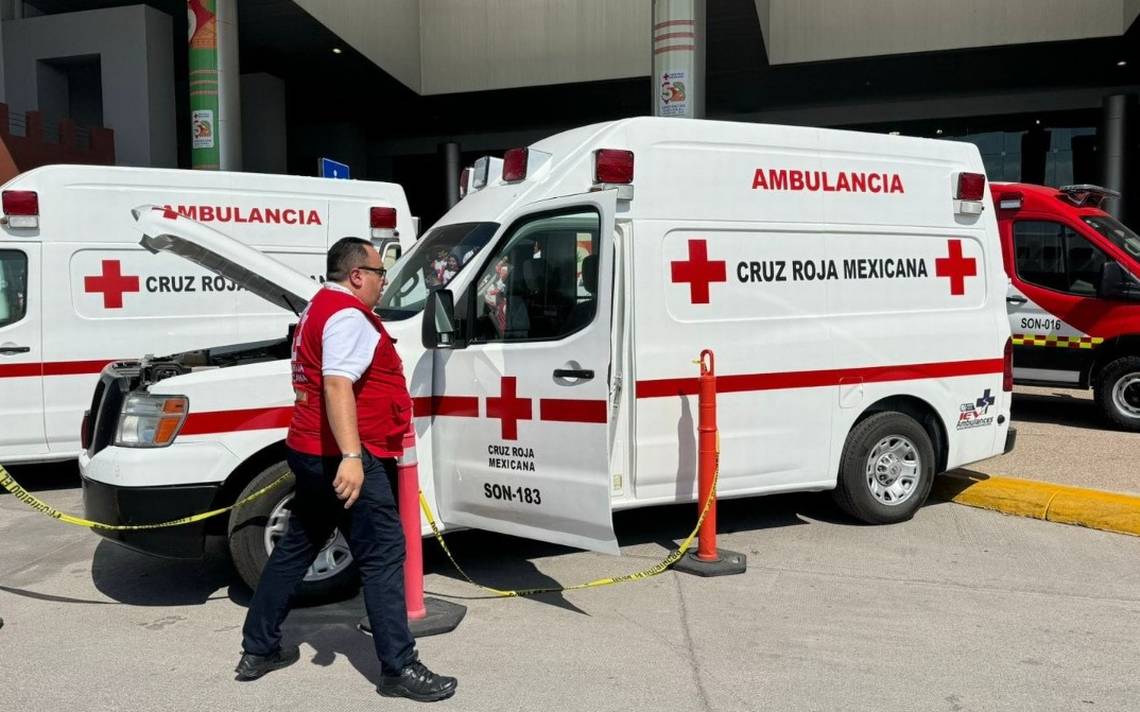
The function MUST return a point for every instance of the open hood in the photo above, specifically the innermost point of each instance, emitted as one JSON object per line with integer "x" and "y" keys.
{"x": 164, "y": 230}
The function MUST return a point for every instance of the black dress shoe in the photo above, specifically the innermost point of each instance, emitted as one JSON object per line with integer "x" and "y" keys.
{"x": 418, "y": 683}
{"x": 251, "y": 666}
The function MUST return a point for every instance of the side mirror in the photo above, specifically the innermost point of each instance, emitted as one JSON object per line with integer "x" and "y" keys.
{"x": 1116, "y": 283}
{"x": 440, "y": 328}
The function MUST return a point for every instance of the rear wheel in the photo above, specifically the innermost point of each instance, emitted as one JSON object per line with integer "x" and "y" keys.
{"x": 886, "y": 470}
{"x": 1118, "y": 392}
{"x": 256, "y": 528}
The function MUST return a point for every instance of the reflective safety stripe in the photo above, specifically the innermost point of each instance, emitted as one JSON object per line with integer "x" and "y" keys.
{"x": 1057, "y": 342}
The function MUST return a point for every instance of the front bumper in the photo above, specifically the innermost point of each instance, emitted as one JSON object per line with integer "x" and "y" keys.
{"x": 1010, "y": 440}
{"x": 112, "y": 504}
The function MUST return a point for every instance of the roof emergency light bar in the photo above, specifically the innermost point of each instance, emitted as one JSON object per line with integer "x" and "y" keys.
{"x": 1083, "y": 195}
{"x": 970, "y": 189}
{"x": 21, "y": 209}
{"x": 613, "y": 168}
{"x": 1009, "y": 201}
{"x": 485, "y": 170}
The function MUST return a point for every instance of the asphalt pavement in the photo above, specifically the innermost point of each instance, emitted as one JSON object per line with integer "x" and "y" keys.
{"x": 959, "y": 609}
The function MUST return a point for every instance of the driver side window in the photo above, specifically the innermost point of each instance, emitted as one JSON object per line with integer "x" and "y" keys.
{"x": 1053, "y": 256}
{"x": 541, "y": 283}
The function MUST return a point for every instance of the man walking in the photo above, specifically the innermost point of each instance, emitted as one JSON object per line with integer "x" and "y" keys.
{"x": 351, "y": 412}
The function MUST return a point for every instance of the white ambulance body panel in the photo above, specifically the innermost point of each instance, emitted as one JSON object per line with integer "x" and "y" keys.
{"x": 94, "y": 296}
{"x": 834, "y": 274}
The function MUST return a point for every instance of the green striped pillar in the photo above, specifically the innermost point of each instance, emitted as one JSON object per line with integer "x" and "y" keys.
{"x": 205, "y": 143}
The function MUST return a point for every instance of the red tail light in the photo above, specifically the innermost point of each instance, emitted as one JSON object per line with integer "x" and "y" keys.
{"x": 1007, "y": 367}
{"x": 971, "y": 186}
{"x": 613, "y": 166}
{"x": 514, "y": 165}
{"x": 464, "y": 181}
{"x": 383, "y": 218}
{"x": 22, "y": 208}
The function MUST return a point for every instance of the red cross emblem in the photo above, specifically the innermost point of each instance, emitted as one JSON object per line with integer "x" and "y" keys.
{"x": 112, "y": 284}
{"x": 509, "y": 408}
{"x": 956, "y": 267}
{"x": 698, "y": 271}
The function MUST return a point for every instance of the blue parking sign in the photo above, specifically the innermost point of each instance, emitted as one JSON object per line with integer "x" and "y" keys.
{"x": 328, "y": 168}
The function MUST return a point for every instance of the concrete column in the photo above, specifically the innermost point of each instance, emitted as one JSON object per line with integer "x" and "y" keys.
{"x": 450, "y": 153}
{"x": 678, "y": 82}
{"x": 264, "y": 144}
{"x": 1114, "y": 153}
{"x": 229, "y": 86}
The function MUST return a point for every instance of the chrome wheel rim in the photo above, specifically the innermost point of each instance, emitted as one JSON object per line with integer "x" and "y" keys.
{"x": 334, "y": 558}
{"x": 1126, "y": 395}
{"x": 893, "y": 470}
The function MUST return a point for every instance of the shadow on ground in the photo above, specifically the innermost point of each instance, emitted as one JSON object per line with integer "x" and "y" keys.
{"x": 1059, "y": 408}
{"x": 499, "y": 561}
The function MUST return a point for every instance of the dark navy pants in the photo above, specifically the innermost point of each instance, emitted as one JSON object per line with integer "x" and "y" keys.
{"x": 372, "y": 528}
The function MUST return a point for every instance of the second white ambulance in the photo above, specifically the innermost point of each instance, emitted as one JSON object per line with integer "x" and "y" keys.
{"x": 77, "y": 291}
{"x": 850, "y": 285}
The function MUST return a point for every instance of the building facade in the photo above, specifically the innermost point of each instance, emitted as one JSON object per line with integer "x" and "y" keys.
{"x": 397, "y": 88}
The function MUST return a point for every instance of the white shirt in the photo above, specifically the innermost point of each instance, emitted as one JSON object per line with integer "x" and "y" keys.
{"x": 348, "y": 341}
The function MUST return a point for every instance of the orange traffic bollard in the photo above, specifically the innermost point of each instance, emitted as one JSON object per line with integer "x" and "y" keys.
{"x": 430, "y": 616}
{"x": 708, "y": 560}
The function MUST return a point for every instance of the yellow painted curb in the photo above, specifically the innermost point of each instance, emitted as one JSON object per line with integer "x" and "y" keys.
{"x": 1095, "y": 509}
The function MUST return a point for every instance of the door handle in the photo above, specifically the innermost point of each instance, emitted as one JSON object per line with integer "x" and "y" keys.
{"x": 1016, "y": 300}
{"x": 583, "y": 373}
{"x": 15, "y": 349}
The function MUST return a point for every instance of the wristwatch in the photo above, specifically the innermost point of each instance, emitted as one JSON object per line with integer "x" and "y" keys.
{"x": 350, "y": 456}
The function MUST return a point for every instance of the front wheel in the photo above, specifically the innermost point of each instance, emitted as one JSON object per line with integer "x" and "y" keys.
{"x": 255, "y": 529}
{"x": 1118, "y": 392}
{"x": 886, "y": 470}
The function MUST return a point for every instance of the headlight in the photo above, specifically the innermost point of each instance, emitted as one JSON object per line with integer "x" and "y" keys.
{"x": 150, "y": 421}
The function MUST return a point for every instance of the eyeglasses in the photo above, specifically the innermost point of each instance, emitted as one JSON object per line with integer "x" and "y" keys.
{"x": 380, "y": 271}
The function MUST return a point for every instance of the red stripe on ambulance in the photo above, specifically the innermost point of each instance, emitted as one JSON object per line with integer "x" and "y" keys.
{"x": 666, "y": 387}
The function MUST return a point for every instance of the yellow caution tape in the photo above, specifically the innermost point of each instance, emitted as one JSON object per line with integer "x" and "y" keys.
{"x": 10, "y": 484}
{"x": 662, "y": 566}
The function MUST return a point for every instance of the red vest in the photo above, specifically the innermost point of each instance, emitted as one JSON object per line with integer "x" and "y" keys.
{"x": 383, "y": 406}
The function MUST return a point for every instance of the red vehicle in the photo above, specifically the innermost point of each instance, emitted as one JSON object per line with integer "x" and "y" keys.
{"x": 1074, "y": 293}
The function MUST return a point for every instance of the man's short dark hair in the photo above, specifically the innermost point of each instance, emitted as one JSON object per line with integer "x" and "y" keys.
{"x": 345, "y": 255}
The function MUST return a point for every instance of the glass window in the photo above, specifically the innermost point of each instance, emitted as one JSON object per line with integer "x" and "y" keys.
{"x": 1053, "y": 256}
{"x": 542, "y": 281}
{"x": 430, "y": 265}
{"x": 1114, "y": 230}
{"x": 13, "y": 286}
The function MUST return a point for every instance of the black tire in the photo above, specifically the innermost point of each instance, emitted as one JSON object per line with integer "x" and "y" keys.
{"x": 853, "y": 491}
{"x": 249, "y": 551}
{"x": 1118, "y": 392}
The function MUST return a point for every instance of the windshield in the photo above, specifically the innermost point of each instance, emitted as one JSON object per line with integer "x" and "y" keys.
{"x": 1114, "y": 230}
{"x": 430, "y": 265}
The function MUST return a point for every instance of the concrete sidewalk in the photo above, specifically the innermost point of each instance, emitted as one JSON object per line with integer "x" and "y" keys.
{"x": 1068, "y": 467}
{"x": 1062, "y": 438}
{"x": 956, "y": 610}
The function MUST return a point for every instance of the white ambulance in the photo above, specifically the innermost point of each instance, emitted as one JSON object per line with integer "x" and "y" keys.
{"x": 77, "y": 291}
{"x": 850, "y": 285}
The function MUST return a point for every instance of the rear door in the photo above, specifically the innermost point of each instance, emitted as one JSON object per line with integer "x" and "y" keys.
{"x": 21, "y": 351}
{"x": 520, "y": 437}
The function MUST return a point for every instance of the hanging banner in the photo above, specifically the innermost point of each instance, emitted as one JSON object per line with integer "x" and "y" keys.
{"x": 204, "y": 145}
{"x": 678, "y": 58}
